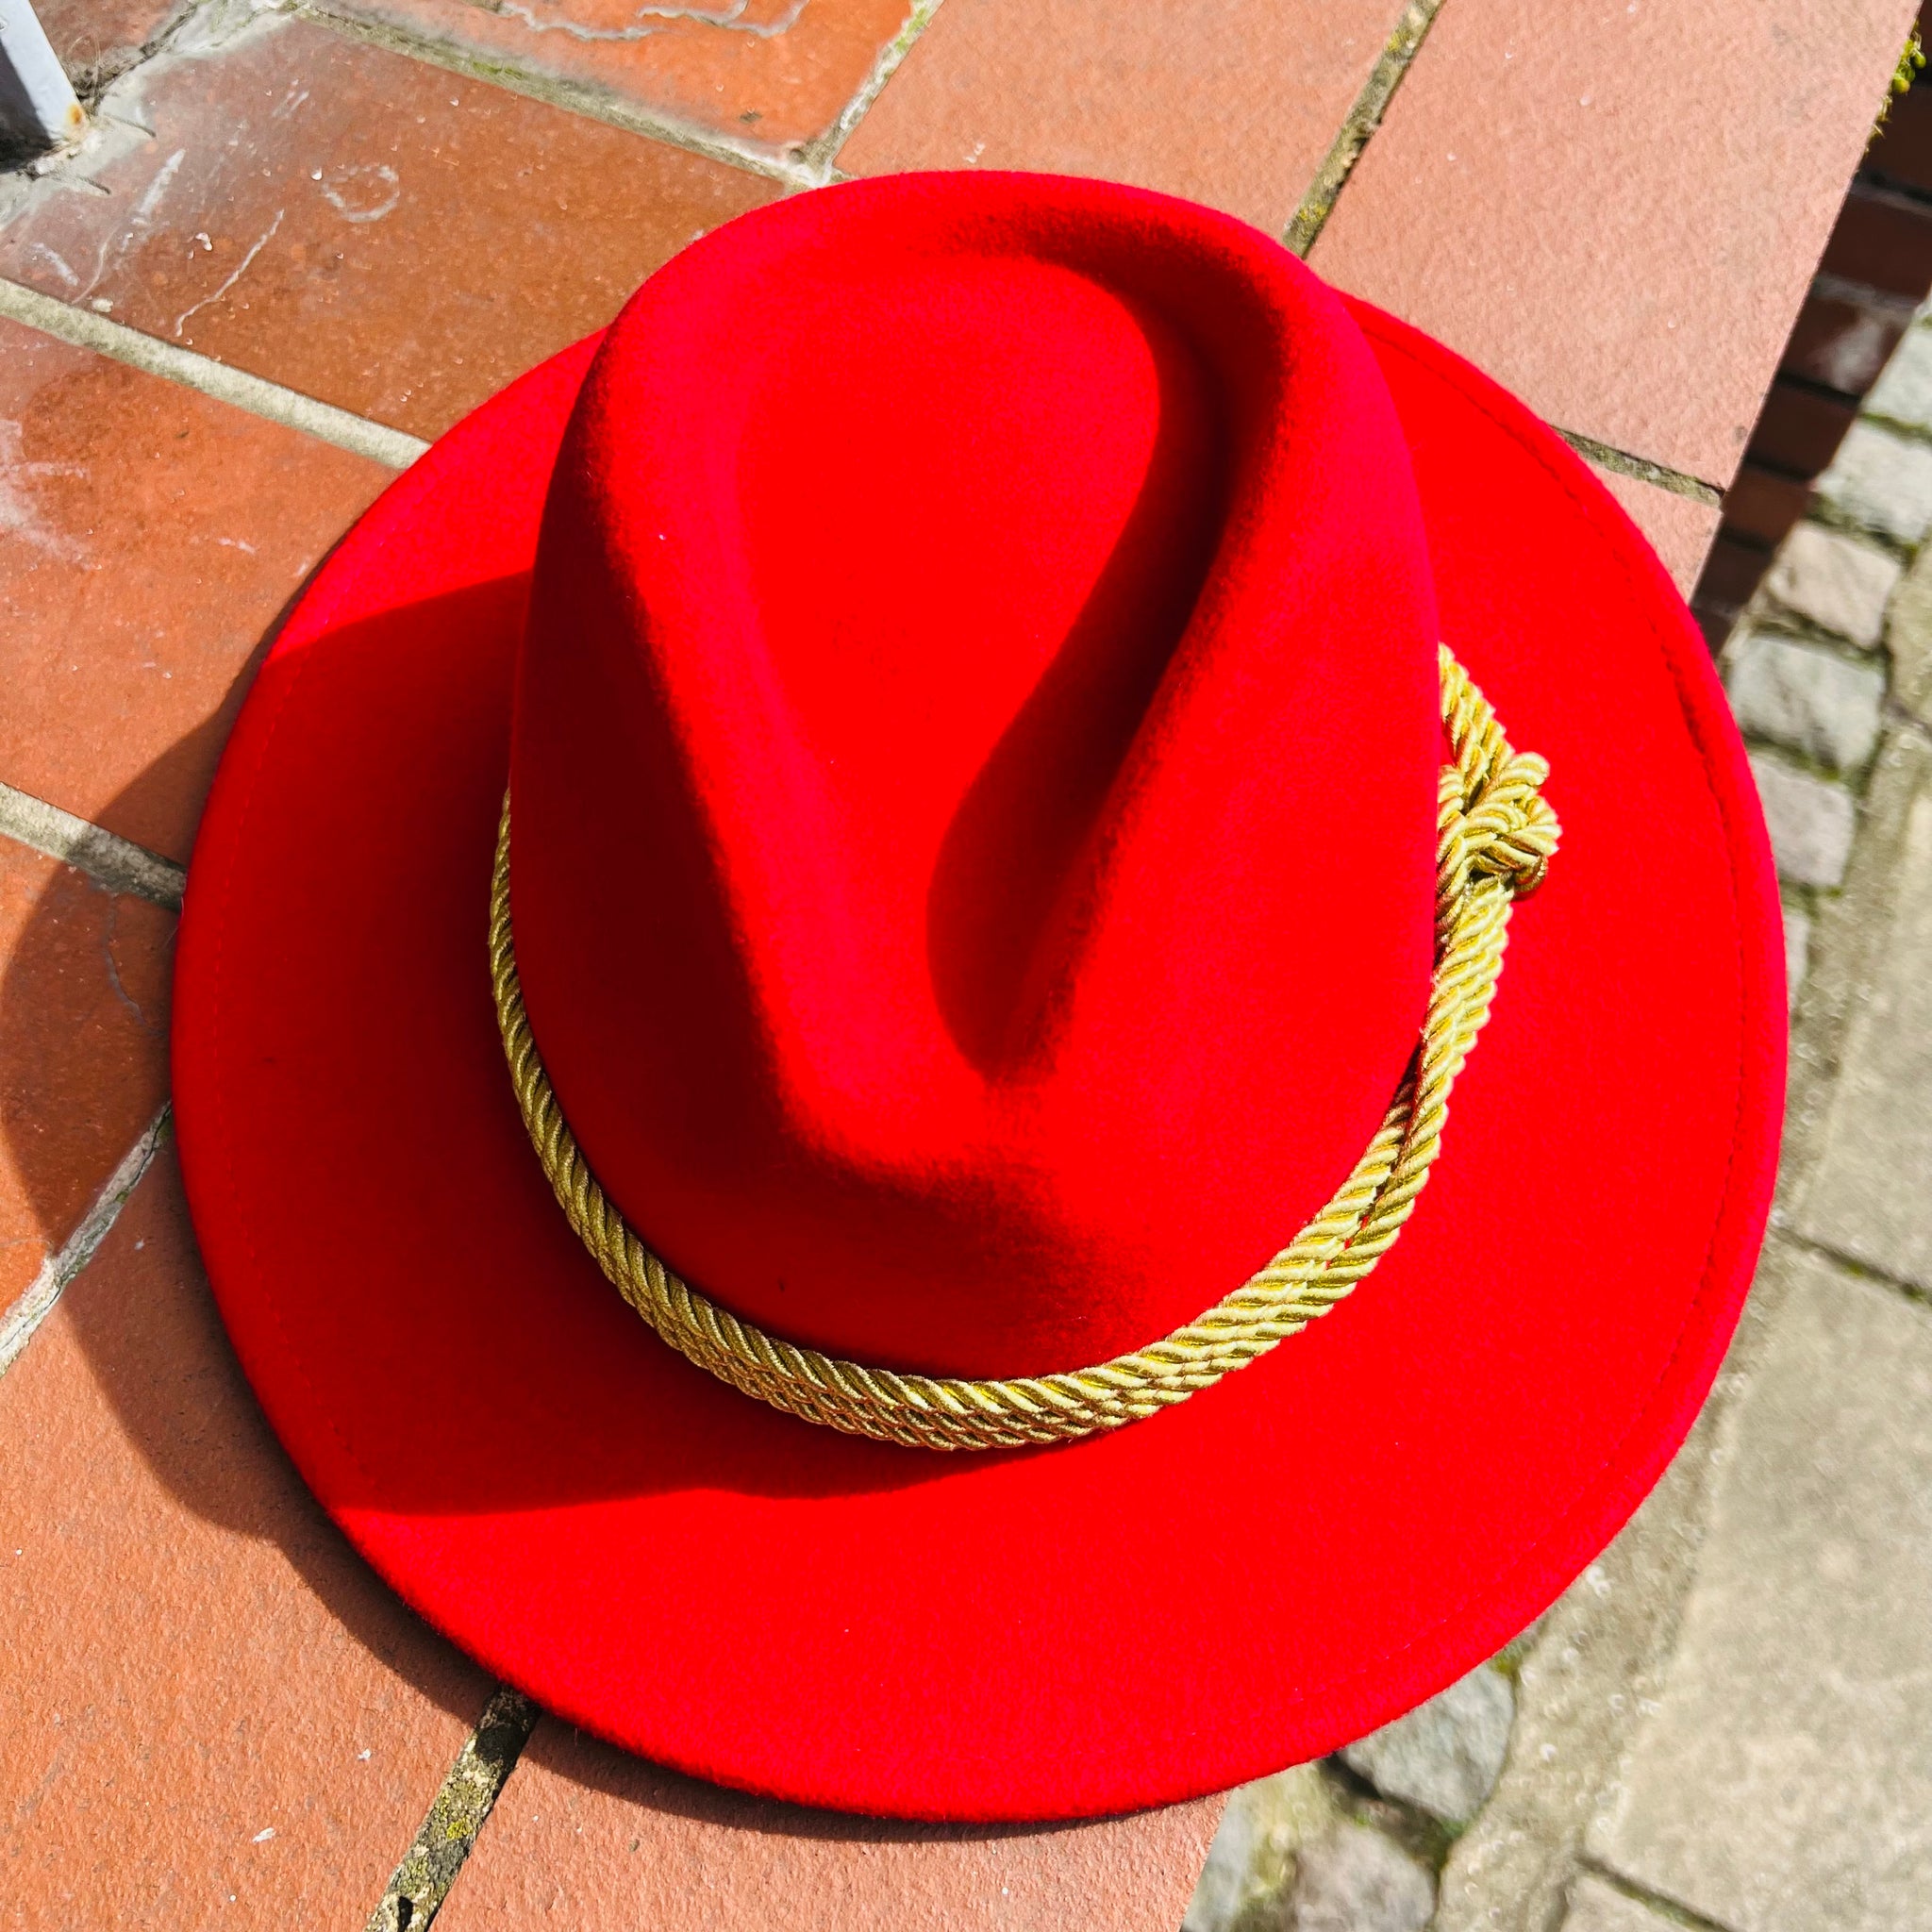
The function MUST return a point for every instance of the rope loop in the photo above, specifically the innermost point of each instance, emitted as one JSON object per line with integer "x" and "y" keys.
{"x": 1494, "y": 839}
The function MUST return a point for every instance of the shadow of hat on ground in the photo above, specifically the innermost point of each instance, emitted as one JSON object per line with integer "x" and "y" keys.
{"x": 595, "y": 1766}
{"x": 149, "y": 1331}
{"x": 156, "y": 1343}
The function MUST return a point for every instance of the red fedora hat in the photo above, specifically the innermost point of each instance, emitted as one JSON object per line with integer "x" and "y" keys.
{"x": 996, "y": 877}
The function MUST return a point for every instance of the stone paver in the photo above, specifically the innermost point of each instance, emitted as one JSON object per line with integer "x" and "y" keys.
{"x": 586, "y": 1838}
{"x": 1595, "y": 1662}
{"x": 1868, "y": 1197}
{"x": 1229, "y": 102}
{"x": 1797, "y": 948}
{"x": 1445, "y": 1756}
{"x": 1881, "y": 482}
{"x": 1806, "y": 699}
{"x": 1903, "y": 393}
{"x": 83, "y": 1048}
{"x": 1810, "y": 821}
{"x": 1833, "y": 581}
{"x": 1248, "y": 1880}
{"x": 773, "y": 76}
{"x": 1787, "y": 1779}
{"x": 148, "y": 536}
{"x": 1355, "y": 1880}
{"x": 1516, "y": 114}
{"x": 384, "y": 235}
{"x": 214, "y": 1714}
{"x": 1595, "y": 1907}
{"x": 1908, "y": 641}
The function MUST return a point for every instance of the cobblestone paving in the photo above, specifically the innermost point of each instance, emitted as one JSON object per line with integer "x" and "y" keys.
{"x": 303, "y": 236}
{"x": 1727, "y": 1723}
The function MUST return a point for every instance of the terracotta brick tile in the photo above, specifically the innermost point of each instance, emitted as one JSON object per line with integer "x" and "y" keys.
{"x": 83, "y": 1048}
{"x": 360, "y": 226}
{"x": 1615, "y": 209}
{"x": 214, "y": 1714}
{"x": 1233, "y": 103}
{"x": 772, "y": 73}
{"x": 148, "y": 536}
{"x": 95, "y": 39}
{"x": 587, "y": 1838}
{"x": 1679, "y": 527}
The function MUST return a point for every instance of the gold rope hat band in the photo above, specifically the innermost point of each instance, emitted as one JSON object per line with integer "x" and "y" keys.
{"x": 1495, "y": 837}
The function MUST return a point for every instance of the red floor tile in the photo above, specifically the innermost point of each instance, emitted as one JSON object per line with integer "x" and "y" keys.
{"x": 1616, "y": 210}
{"x": 148, "y": 536}
{"x": 773, "y": 75}
{"x": 1233, "y": 103}
{"x": 95, "y": 39}
{"x": 214, "y": 1714}
{"x": 587, "y": 1838}
{"x": 83, "y": 1049}
{"x": 360, "y": 226}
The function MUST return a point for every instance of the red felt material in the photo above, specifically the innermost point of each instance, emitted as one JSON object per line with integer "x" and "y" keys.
{"x": 927, "y": 806}
{"x": 973, "y": 764}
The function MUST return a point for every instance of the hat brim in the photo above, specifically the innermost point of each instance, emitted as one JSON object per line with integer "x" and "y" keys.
{"x": 1242, "y": 1583}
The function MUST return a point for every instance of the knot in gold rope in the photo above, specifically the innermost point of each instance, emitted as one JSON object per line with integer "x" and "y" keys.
{"x": 1491, "y": 819}
{"x": 1494, "y": 839}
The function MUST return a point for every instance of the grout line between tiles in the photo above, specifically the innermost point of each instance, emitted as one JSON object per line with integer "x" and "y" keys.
{"x": 1851, "y": 1264}
{"x": 458, "y": 1812}
{"x": 260, "y": 397}
{"x": 38, "y": 1299}
{"x": 1400, "y": 48}
{"x": 822, "y": 153}
{"x": 1661, "y": 1904}
{"x": 573, "y": 97}
{"x": 106, "y": 858}
{"x": 1607, "y": 457}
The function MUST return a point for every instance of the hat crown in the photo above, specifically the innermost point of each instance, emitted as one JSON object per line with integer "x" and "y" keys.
{"x": 975, "y": 762}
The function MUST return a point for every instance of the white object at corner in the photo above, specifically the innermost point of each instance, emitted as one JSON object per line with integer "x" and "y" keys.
{"x": 37, "y": 104}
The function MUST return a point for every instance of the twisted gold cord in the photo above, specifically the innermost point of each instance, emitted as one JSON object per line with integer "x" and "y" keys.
{"x": 1495, "y": 837}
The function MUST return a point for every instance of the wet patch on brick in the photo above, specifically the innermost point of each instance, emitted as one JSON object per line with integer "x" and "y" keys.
{"x": 364, "y": 229}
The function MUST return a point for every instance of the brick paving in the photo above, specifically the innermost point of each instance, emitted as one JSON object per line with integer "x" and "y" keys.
{"x": 389, "y": 208}
{"x": 1526, "y": 200}
{"x": 371, "y": 231}
{"x": 152, "y": 535}
{"x": 585, "y": 1836}
{"x": 1234, "y": 105}
{"x": 83, "y": 1047}
{"x": 210, "y": 1700}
